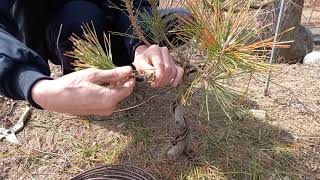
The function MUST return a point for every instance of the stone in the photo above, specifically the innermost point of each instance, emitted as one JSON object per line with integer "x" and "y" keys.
{"x": 312, "y": 58}
{"x": 259, "y": 114}
{"x": 316, "y": 34}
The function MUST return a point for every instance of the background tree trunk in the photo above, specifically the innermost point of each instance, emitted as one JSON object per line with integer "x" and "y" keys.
{"x": 303, "y": 38}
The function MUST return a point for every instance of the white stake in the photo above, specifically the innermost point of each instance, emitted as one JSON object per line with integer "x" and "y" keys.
{"x": 273, "y": 48}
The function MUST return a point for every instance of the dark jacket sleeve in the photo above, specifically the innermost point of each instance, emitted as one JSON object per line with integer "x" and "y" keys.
{"x": 126, "y": 27}
{"x": 20, "y": 67}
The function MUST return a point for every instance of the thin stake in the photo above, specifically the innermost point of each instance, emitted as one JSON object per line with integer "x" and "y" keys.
{"x": 58, "y": 50}
{"x": 274, "y": 47}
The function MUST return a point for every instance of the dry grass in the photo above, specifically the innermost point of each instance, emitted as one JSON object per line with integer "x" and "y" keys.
{"x": 56, "y": 146}
{"x": 309, "y": 18}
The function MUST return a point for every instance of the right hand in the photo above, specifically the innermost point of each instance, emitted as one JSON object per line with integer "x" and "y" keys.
{"x": 83, "y": 93}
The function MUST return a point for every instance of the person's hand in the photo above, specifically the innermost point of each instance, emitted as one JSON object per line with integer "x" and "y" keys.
{"x": 158, "y": 60}
{"x": 84, "y": 92}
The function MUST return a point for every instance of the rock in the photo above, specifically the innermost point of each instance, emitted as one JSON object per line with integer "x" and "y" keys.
{"x": 316, "y": 34}
{"x": 301, "y": 47}
{"x": 259, "y": 114}
{"x": 302, "y": 37}
{"x": 312, "y": 58}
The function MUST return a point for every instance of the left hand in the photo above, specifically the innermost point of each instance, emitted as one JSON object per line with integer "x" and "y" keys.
{"x": 158, "y": 60}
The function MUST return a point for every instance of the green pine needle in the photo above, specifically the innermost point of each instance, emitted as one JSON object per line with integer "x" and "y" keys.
{"x": 88, "y": 52}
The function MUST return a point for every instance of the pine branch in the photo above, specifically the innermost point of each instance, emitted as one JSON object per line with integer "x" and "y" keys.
{"x": 135, "y": 22}
{"x": 88, "y": 52}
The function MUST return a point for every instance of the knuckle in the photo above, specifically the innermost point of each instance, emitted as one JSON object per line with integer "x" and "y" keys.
{"x": 165, "y": 49}
{"x": 114, "y": 73}
{"x": 93, "y": 74}
{"x": 154, "y": 46}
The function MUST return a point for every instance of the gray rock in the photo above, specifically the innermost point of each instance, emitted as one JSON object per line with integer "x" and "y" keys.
{"x": 312, "y": 58}
{"x": 303, "y": 44}
{"x": 316, "y": 34}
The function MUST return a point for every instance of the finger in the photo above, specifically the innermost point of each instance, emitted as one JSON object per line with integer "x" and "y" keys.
{"x": 178, "y": 77}
{"x": 114, "y": 75}
{"x": 156, "y": 59}
{"x": 167, "y": 67}
{"x": 120, "y": 93}
{"x": 141, "y": 64}
{"x": 112, "y": 97}
{"x": 174, "y": 70}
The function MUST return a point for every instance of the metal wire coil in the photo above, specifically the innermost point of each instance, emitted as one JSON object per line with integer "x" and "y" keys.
{"x": 115, "y": 172}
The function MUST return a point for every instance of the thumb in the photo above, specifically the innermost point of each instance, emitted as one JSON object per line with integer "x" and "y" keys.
{"x": 105, "y": 76}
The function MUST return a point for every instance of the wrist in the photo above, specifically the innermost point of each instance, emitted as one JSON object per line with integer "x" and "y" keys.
{"x": 40, "y": 92}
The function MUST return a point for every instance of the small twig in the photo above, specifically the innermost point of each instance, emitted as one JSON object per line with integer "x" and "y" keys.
{"x": 144, "y": 102}
{"x": 138, "y": 105}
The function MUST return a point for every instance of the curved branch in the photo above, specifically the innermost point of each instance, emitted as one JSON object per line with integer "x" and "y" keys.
{"x": 183, "y": 139}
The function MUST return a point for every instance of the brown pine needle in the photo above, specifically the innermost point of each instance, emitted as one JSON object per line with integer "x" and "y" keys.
{"x": 135, "y": 22}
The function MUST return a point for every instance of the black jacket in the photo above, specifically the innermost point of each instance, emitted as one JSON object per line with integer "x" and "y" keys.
{"x": 22, "y": 47}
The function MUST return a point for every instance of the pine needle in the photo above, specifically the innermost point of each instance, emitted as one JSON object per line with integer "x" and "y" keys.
{"x": 227, "y": 34}
{"x": 88, "y": 52}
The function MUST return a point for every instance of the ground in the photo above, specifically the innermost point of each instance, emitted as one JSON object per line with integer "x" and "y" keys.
{"x": 286, "y": 145}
